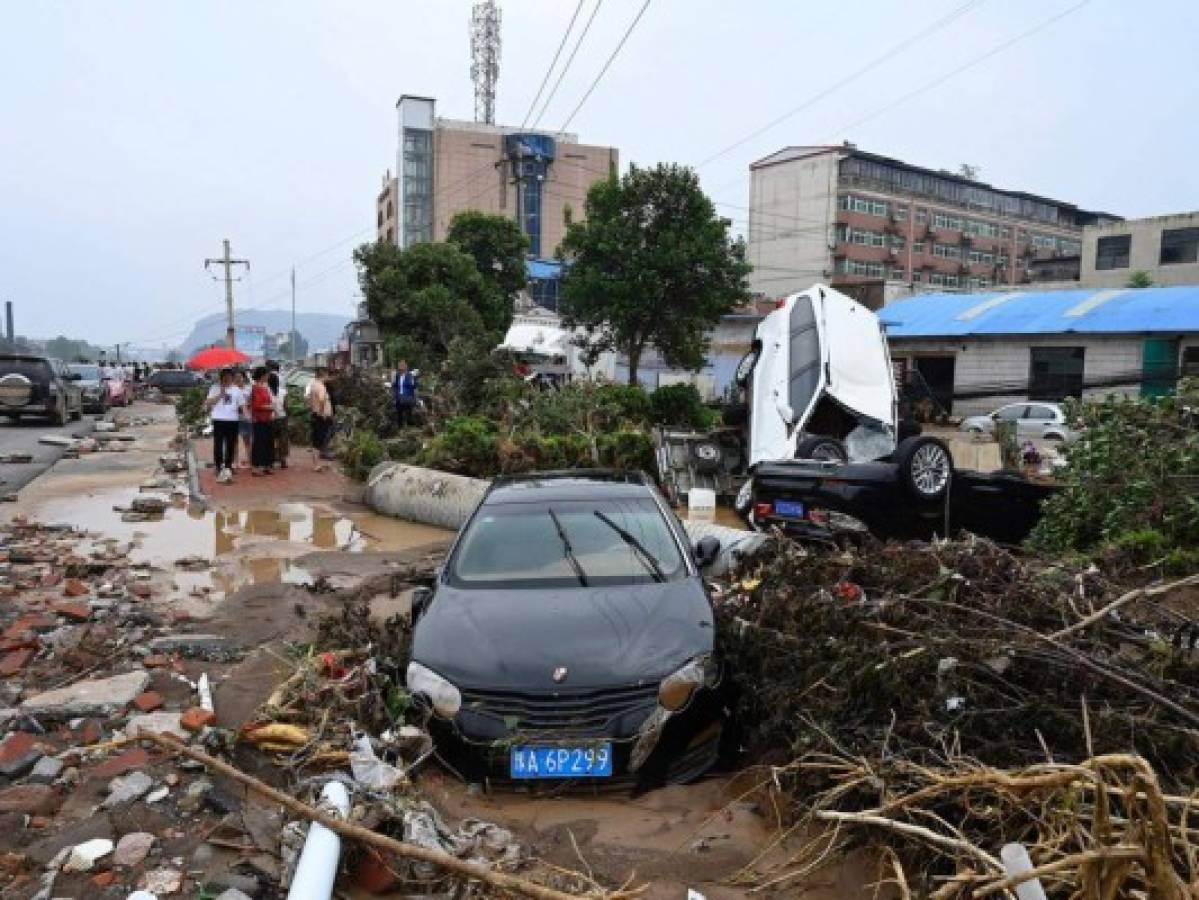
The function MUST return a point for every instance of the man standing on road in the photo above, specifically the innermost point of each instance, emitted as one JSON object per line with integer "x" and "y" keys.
{"x": 224, "y": 402}
{"x": 320, "y": 413}
{"x": 279, "y": 423}
{"x": 403, "y": 390}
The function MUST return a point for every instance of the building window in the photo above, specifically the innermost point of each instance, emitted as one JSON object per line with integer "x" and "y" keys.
{"x": 946, "y": 251}
{"x": 1055, "y": 373}
{"x": 1190, "y": 362}
{"x": 916, "y": 277}
{"x": 1069, "y": 248}
{"x": 921, "y": 216}
{"x": 1112, "y": 252}
{"x": 857, "y": 267}
{"x": 1180, "y": 245}
{"x": 900, "y": 213}
{"x": 918, "y": 247}
{"x": 948, "y": 223}
{"x": 897, "y": 274}
{"x": 896, "y": 242}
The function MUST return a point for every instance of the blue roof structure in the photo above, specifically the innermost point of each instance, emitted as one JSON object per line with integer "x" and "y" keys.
{"x": 543, "y": 269}
{"x": 1081, "y": 311}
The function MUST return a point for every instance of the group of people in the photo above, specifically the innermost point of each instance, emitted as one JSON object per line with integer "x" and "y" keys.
{"x": 254, "y": 413}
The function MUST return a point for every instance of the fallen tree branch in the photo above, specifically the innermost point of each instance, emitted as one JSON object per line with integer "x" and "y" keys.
{"x": 438, "y": 858}
{"x": 1122, "y": 600}
{"x": 917, "y": 831}
{"x": 1066, "y": 862}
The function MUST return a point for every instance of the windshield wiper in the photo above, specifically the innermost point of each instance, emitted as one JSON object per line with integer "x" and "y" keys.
{"x": 647, "y": 558}
{"x": 568, "y": 550}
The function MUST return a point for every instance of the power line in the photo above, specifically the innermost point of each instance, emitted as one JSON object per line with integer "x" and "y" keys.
{"x": 853, "y": 76}
{"x": 569, "y": 60}
{"x": 608, "y": 63}
{"x": 998, "y": 48}
{"x": 553, "y": 62}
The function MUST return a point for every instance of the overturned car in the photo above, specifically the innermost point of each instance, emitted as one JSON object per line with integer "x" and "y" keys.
{"x": 569, "y": 638}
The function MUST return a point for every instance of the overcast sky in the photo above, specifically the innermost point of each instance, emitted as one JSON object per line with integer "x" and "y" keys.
{"x": 136, "y": 134}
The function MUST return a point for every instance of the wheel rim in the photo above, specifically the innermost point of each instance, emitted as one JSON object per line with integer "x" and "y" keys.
{"x": 930, "y": 469}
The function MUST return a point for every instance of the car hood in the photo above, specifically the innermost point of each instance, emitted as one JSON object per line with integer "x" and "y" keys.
{"x": 514, "y": 639}
{"x": 88, "y": 383}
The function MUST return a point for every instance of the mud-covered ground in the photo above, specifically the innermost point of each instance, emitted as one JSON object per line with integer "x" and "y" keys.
{"x": 255, "y": 573}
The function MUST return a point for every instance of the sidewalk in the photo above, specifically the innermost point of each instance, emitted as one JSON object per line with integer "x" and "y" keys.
{"x": 297, "y": 482}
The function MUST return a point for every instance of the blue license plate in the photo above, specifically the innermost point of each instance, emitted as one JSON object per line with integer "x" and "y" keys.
{"x": 562, "y": 762}
{"x": 789, "y": 509}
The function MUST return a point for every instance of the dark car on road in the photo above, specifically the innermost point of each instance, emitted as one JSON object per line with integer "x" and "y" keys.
{"x": 41, "y": 386}
{"x": 568, "y": 640}
{"x": 916, "y": 493}
{"x": 93, "y": 387}
{"x": 174, "y": 381}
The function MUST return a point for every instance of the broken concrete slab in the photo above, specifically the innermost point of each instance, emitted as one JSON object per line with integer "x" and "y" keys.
{"x": 127, "y": 788}
{"x": 133, "y": 848}
{"x": 96, "y": 697}
{"x": 161, "y": 722}
{"x": 206, "y": 646}
{"x": 47, "y": 769}
{"x": 84, "y": 856}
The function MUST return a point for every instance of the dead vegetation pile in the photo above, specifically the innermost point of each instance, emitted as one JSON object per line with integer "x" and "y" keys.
{"x": 945, "y": 699}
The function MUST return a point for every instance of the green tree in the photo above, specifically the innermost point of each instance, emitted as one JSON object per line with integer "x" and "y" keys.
{"x": 651, "y": 264}
{"x": 498, "y": 247}
{"x": 1139, "y": 279}
{"x": 427, "y": 295}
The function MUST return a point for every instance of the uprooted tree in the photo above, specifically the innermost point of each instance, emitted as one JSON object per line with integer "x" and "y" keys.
{"x": 652, "y": 264}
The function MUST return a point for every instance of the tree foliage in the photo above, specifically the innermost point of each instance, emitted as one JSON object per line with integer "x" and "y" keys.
{"x": 1140, "y": 279}
{"x": 651, "y": 264}
{"x": 1130, "y": 471}
{"x": 428, "y": 295}
{"x": 498, "y": 247}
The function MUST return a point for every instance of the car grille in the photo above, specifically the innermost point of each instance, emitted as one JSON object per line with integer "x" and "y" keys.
{"x": 562, "y": 711}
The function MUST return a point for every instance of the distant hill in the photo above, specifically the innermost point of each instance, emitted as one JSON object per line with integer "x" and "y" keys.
{"x": 321, "y": 330}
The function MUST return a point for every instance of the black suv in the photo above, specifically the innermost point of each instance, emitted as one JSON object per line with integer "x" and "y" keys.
{"x": 39, "y": 386}
{"x": 174, "y": 381}
{"x": 569, "y": 637}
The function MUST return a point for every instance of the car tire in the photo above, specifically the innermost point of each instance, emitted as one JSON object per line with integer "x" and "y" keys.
{"x": 925, "y": 467}
{"x": 59, "y": 417}
{"x": 706, "y": 456}
{"x": 745, "y": 368}
{"x": 823, "y": 448}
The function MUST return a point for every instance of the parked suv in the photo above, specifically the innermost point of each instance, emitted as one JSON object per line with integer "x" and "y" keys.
{"x": 39, "y": 386}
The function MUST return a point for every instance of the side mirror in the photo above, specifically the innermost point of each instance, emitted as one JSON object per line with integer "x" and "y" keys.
{"x": 706, "y": 551}
{"x": 421, "y": 597}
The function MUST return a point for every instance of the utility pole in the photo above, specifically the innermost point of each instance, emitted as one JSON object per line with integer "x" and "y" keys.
{"x": 292, "y": 343}
{"x": 228, "y": 263}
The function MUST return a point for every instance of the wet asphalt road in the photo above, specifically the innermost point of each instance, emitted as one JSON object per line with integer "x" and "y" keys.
{"x": 22, "y": 437}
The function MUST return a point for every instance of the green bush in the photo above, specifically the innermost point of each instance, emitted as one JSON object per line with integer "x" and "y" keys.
{"x": 299, "y": 427}
{"x": 466, "y": 444}
{"x": 680, "y": 406}
{"x": 1126, "y": 484}
{"x": 361, "y": 453}
{"x": 627, "y": 450}
{"x": 189, "y": 408}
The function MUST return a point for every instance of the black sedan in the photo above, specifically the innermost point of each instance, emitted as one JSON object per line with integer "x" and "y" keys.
{"x": 915, "y": 494}
{"x": 569, "y": 639}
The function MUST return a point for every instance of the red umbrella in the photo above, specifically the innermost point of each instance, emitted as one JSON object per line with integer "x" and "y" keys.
{"x": 217, "y": 358}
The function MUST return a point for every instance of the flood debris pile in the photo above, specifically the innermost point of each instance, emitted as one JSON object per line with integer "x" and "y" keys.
{"x": 344, "y": 715}
{"x": 944, "y": 699}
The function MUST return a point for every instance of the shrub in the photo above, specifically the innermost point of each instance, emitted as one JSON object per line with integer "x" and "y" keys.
{"x": 299, "y": 427}
{"x": 680, "y": 406}
{"x": 1125, "y": 486}
{"x": 627, "y": 450}
{"x": 189, "y": 408}
{"x": 466, "y": 444}
{"x": 361, "y": 453}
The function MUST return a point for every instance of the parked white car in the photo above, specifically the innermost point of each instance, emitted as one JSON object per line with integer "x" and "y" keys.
{"x": 1034, "y": 419}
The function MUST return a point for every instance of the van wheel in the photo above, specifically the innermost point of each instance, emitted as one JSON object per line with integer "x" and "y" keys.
{"x": 925, "y": 467}
{"x": 824, "y": 448}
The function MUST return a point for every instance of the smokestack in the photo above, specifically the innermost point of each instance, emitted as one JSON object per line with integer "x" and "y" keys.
{"x": 8, "y": 320}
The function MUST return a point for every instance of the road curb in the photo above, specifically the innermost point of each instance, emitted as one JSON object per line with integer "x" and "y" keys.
{"x": 193, "y": 477}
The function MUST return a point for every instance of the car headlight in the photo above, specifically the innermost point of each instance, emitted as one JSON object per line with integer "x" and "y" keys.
{"x": 677, "y": 689}
{"x": 445, "y": 699}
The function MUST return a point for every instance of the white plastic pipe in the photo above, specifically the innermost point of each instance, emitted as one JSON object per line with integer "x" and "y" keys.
{"x": 1016, "y": 861}
{"x": 317, "y": 868}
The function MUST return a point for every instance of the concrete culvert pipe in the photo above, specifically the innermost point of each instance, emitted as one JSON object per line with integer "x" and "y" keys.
{"x": 432, "y": 497}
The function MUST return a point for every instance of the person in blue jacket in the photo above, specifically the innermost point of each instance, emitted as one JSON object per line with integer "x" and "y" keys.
{"x": 403, "y": 391}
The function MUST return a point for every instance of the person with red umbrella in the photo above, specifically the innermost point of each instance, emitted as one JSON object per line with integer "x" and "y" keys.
{"x": 224, "y": 404}
{"x": 217, "y": 358}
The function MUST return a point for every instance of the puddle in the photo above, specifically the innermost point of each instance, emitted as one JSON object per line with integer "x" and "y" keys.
{"x": 722, "y": 515}
{"x": 255, "y": 546}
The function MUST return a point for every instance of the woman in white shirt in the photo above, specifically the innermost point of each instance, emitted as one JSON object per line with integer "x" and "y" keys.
{"x": 225, "y": 403}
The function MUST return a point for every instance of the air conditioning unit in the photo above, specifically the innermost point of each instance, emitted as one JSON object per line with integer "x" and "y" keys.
{"x": 895, "y": 251}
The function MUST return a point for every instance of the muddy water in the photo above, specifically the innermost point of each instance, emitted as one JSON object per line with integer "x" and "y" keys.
{"x": 255, "y": 546}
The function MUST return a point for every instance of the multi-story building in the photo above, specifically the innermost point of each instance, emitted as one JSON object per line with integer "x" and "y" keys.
{"x": 538, "y": 178}
{"x": 845, "y": 216}
{"x": 1166, "y": 248}
{"x": 386, "y": 204}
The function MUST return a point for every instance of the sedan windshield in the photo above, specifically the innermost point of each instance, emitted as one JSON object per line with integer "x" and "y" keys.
{"x": 86, "y": 373}
{"x": 561, "y": 544}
